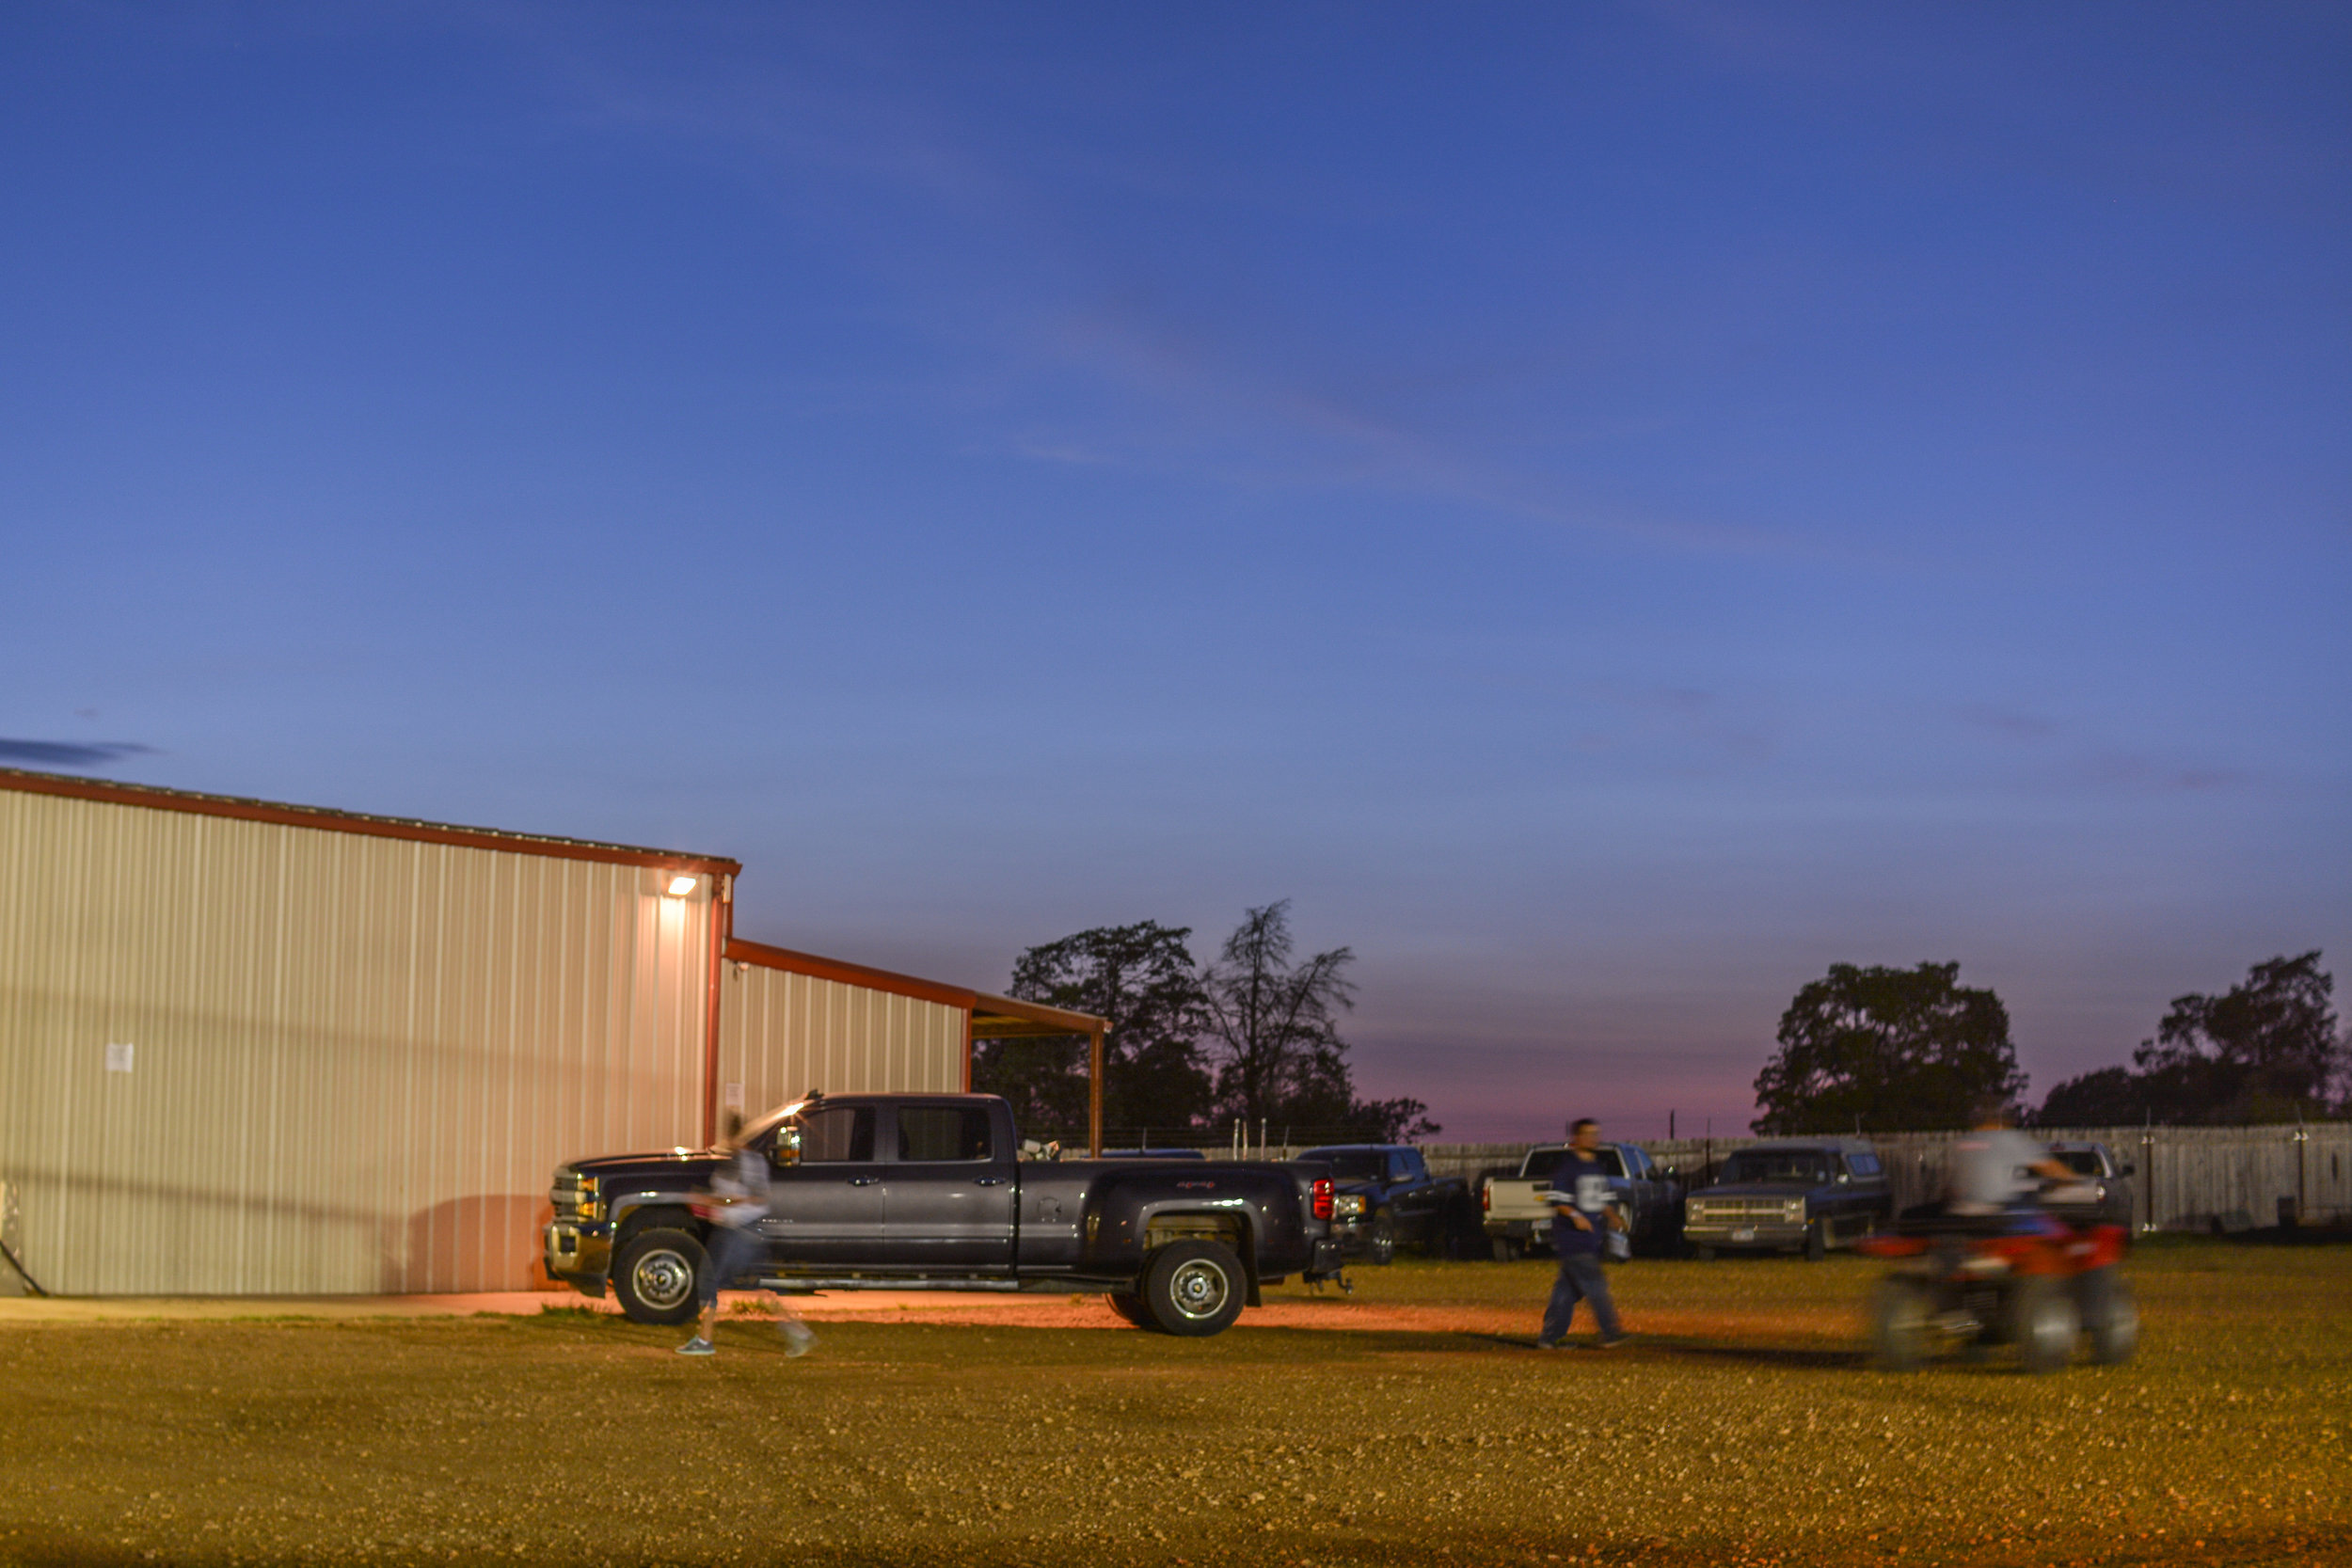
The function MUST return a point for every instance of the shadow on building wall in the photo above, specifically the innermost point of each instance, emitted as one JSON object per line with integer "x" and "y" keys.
{"x": 489, "y": 1242}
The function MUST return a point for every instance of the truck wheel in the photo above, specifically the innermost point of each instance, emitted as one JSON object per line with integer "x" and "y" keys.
{"x": 2109, "y": 1314}
{"x": 1132, "y": 1308}
{"x": 1900, "y": 1314}
{"x": 2043, "y": 1322}
{"x": 655, "y": 1273}
{"x": 1380, "y": 1247}
{"x": 1816, "y": 1242}
{"x": 1507, "y": 1250}
{"x": 1194, "y": 1289}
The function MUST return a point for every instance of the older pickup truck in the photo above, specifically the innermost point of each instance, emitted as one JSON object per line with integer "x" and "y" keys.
{"x": 898, "y": 1191}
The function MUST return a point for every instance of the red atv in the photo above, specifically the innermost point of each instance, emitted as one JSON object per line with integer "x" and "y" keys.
{"x": 2026, "y": 1281}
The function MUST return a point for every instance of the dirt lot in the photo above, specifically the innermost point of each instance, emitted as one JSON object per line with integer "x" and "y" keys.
{"x": 1411, "y": 1424}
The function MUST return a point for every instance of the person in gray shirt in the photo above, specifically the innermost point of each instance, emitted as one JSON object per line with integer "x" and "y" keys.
{"x": 734, "y": 1205}
{"x": 1994, "y": 1166}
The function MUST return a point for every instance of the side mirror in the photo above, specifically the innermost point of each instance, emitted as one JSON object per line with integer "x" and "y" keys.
{"x": 2128, "y": 1170}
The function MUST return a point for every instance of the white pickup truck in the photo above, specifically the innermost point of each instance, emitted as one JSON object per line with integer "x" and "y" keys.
{"x": 1648, "y": 1200}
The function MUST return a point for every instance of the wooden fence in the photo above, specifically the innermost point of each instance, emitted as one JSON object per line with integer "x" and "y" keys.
{"x": 2187, "y": 1177}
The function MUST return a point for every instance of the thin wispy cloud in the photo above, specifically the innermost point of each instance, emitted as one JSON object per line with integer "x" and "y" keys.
{"x": 2008, "y": 723}
{"x": 71, "y": 753}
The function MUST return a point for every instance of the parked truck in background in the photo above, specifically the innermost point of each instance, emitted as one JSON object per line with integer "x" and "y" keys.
{"x": 896, "y": 1192}
{"x": 1384, "y": 1196}
{"x": 1646, "y": 1196}
{"x": 1792, "y": 1195}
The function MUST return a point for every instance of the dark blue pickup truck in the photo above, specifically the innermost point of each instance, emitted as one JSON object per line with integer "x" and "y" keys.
{"x": 898, "y": 1191}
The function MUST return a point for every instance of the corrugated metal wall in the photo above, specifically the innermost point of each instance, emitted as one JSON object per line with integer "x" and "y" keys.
{"x": 354, "y": 1059}
{"x": 783, "y": 1034}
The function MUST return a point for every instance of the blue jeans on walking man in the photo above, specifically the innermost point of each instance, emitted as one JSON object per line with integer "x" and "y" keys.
{"x": 1581, "y": 1279}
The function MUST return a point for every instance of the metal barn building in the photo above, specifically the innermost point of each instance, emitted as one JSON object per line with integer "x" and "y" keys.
{"x": 249, "y": 1047}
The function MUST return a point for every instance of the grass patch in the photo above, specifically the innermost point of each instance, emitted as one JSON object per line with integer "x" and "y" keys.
{"x": 1742, "y": 1428}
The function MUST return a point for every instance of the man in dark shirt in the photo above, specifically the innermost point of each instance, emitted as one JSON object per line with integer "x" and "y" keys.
{"x": 1580, "y": 1188}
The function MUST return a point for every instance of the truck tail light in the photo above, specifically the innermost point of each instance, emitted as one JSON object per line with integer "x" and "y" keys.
{"x": 1486, "y": 1198}
{"x": 1322, "y": 1197}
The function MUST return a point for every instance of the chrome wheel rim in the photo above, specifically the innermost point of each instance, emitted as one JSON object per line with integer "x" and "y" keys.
{"x": 661, "y": 1280}
{"x": 1198, "y": 1288}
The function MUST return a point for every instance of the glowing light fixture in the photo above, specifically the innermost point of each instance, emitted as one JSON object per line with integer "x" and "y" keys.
{"x": 681, "y": 886}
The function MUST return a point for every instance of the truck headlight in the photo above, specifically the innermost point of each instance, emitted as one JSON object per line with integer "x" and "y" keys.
{"x": 1793, "y": 1210}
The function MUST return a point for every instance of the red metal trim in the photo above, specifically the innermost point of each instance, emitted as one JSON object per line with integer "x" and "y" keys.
{"x": 852, "y": 974}
{"x": 327, "y": 819}
{"x": 721, "y": 924}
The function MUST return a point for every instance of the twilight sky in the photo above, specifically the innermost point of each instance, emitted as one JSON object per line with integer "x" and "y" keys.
{"x": 1611, "y": 509}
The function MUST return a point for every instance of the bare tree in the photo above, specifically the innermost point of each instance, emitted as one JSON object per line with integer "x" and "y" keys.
{"x": 1274, "y": 1026}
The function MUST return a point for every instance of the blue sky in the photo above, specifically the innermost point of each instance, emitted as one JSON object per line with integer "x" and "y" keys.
{"x": 1609, "y": 509}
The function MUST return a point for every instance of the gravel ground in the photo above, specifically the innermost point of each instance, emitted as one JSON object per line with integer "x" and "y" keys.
{"x": 1407, "y": 1424}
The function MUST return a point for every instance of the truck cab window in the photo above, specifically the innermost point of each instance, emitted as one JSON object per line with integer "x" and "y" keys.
{"x": 838, "y": 1134}
{"x": 936, "y": 1133}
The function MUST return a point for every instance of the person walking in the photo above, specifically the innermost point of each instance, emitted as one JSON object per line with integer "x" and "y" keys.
{"x": 1583, "y": 1217}
{"x": 734, "y": 1205}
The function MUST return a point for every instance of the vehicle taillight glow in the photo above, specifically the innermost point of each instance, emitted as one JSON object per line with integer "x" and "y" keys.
{"x": 1322, "y": 1197}
{"x": 1486, "y": 1197}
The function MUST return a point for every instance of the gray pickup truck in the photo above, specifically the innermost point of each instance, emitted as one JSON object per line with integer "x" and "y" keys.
{"x": 896, "y": 1191}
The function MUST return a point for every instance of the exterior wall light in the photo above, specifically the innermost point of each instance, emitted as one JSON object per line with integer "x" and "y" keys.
{"x": 681, "y": 886}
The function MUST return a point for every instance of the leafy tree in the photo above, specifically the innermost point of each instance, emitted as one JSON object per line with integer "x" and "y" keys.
{"x": 1886, "y": 1048}
{"x": 2264, "y": 1050}
{"x": 1044, "y": 1078}
{"x": 2111, "y": 1096}
{"x": 1274, "y": 1031}
{"x": 1141, "y": 979}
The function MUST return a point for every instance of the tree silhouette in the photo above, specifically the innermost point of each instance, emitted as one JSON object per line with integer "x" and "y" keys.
{"x": 1887, "y": 1049}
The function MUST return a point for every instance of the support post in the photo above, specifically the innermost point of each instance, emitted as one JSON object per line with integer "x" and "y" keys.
{"x": 1094, "y": 1095}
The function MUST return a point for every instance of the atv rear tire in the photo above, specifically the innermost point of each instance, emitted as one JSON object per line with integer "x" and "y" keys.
{"x": 2043, "y": 1323}
{"x": 2110, "y": 1315}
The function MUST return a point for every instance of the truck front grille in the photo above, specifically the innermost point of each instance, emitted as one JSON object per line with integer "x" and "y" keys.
{"x": 1746, "y": 1208}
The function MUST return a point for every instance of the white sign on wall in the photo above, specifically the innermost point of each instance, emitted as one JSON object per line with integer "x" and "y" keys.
{"x": 118, "y": 1057}
{"x": 735, "y": 1097}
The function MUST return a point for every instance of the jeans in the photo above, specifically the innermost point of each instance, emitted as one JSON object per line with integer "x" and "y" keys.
{"x": 1581, "y": 1279}
{"x": 732, "y": 1250}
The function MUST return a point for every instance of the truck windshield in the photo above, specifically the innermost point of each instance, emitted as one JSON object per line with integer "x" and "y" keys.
{"x": 2082, "y": 1162}
{"x": 1358, "y": 1165}
{"x": 1803, "y": 1167}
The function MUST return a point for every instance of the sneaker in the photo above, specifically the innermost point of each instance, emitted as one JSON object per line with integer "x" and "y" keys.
{"x": 1611, "y": 1341}
{"x": 798, "y": 1337}
{"x": 1546, "y": 1344}
{"x": 698, "y": 1346}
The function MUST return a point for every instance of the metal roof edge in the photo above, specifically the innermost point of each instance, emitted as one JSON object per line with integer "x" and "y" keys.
{"x": 784, "y": 958}
{"x": 329, "y": 819}
{"x": 1038, "y": 1012}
